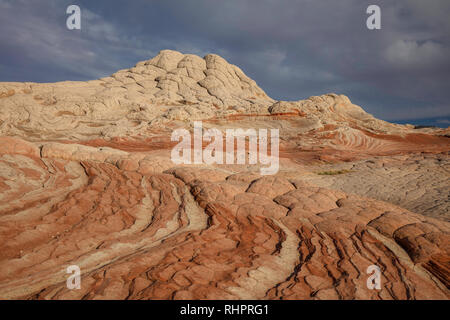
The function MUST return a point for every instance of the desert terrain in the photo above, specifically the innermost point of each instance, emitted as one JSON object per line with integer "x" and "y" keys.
{"x": 86, "y": 179}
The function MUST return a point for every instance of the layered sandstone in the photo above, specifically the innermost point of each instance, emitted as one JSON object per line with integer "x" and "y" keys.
{"x": 86, "y": 179}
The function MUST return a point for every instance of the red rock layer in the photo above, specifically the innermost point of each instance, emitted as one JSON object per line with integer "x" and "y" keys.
{"x": 192, "y": 233}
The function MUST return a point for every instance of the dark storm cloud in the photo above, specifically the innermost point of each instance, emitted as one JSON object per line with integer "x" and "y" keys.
{"x": 293, "y": 49}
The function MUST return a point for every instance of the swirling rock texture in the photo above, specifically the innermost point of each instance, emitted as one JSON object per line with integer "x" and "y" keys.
{"x": 86, "y": 179}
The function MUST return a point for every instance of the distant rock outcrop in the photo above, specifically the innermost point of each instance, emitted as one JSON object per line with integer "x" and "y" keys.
{"x": 170, "y": 87}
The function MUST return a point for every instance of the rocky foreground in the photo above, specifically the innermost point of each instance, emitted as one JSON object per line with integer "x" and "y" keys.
{"x": 86, "y": 179}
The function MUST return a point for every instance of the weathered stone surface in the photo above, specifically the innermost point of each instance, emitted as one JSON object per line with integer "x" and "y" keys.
{"x": 86, "y": 179}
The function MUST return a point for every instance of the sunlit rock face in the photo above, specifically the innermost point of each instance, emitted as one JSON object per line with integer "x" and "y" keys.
{"x": 86, "y": 179}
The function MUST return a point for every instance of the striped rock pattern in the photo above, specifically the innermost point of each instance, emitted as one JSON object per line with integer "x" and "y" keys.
{"x": 86, "y": 179}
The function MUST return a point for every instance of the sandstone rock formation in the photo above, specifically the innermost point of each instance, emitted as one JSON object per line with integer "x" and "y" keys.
{"x": 86, "y": 179}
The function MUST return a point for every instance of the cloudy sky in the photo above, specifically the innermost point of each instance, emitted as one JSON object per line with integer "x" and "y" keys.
{"x": 292, "y": 48}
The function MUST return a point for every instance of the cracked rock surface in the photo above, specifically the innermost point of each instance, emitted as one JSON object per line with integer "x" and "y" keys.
{"x": 86, "y": 179}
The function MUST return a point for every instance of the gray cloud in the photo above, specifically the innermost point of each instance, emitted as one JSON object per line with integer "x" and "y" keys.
{"x": 293, "y": 49}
